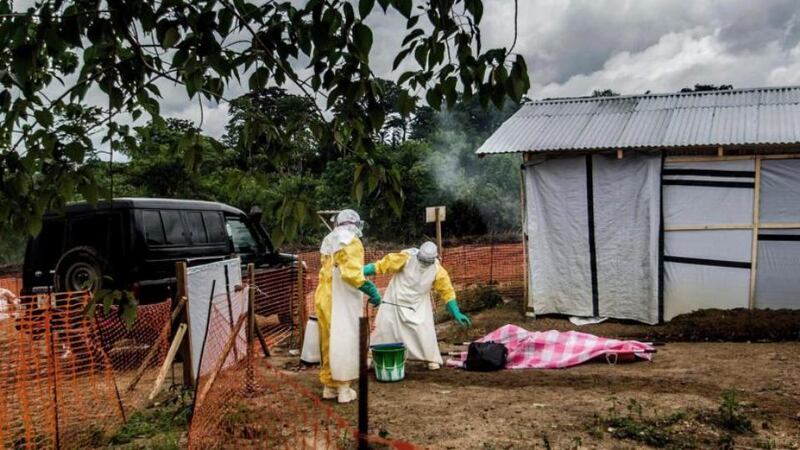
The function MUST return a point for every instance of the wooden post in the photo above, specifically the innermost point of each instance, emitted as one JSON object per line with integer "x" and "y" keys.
{"x": 251, "y": 304}
{"x": 620, "y": 154}
{"x": 156, "y": 348}
{"x": 173, "y": 349}
{"x": 363, "y": 384}
{"x": 439, "y": 232}
{"x": 301, "y": 304}
{"x": 218, "y": 366}
{"x": 230, "y": 307}
{"x": 526, "y": 303}
{"x": 756, "y": 223}
{"x": 720, "y": 151}
{"x": 186, "y": 346}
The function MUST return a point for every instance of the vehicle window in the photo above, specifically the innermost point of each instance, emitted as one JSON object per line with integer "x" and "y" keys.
{"x": 215, "y": 227}
{"x": 173, "y": 227}
{"x": 153, "y": 231}
{"x": 243, "y": 240}
{"x": 89, "y": 232}
{"x": 194, "y": 221}
{"x": 49, "y": 244}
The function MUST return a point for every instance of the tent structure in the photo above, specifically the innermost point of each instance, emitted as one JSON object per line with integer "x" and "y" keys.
{"x": 649, "y": 206}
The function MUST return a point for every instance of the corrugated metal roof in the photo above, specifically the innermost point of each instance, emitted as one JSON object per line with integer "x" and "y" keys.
{"x": 715, "y": 118}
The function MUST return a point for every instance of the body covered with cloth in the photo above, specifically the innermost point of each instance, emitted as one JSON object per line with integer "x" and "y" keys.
{"x": 557, "y": 349}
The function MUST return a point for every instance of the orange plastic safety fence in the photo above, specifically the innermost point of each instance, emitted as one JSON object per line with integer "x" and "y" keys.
{"x": 57, "y": 385}
{"x": 13, "y": 283}
{"x": 252, "y": 404}
{"x": 136, "y": 352}
{"x": 501, "y": 266}
{"x": 277, "y": 302}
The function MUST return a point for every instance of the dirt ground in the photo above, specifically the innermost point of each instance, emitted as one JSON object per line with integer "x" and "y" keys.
{"x": 675, "y": 401}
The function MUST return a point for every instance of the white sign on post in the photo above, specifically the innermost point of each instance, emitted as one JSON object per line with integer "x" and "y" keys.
{"x": 430, "y": 214}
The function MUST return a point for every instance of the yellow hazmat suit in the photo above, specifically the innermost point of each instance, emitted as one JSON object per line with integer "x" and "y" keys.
{"x": 394, "y": 263}
{"x": 348, "y": 257}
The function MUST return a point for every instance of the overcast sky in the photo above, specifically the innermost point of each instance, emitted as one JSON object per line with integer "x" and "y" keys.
{"x": 631, "y": 46}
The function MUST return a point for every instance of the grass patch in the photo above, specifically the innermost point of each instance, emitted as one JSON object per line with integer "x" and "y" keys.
{"x": 731, "y": 415}
{"x": 633, "y": 425}
{"x": 159, "y": 427}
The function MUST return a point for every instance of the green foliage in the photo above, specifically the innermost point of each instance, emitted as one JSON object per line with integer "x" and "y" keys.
{"x": 731, "y": 415}
{"x": 46, "y": 154}
{"x": 159, "y": 426}
{"x": 634, "y": 425}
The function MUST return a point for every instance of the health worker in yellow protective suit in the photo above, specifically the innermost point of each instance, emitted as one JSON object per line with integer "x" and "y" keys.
{"x": 406, "y": 314}
{"x": 339, "y": 302}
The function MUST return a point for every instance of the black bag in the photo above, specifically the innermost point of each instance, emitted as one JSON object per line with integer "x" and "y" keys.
{"x": 486, "y": 356}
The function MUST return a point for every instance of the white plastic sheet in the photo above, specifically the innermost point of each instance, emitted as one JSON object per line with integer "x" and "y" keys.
{"x": 780, "y": 191}
{"x": 199, "y": 283}
{"x": 558, "y": 244}
{"x": 627, "y": 210}
{"x": 704, "y": 205}
{"x": 778, "y": 271}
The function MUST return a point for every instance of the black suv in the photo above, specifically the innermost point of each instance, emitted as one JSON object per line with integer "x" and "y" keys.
{"x": 134, "y": 243}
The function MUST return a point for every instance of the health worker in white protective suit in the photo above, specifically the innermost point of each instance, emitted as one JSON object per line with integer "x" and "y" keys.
{"x": 406, "y": 312}
{"x": 339, "y": 302}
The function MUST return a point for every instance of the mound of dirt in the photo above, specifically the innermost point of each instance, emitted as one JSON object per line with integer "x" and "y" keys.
{"x": 737, "y": 325}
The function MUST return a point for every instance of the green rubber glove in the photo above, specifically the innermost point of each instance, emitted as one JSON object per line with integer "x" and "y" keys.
{"x": 369, "y": 270}
{"x": 371, "y": 290}
{"x": 460, "y": 317}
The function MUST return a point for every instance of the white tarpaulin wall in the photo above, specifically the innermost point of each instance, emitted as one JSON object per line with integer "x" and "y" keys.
{"x": 707, "y": 268}
{"x": 200, "y": 280}
{"x": 778, "y": 269}
{"x": 593, "y": 226}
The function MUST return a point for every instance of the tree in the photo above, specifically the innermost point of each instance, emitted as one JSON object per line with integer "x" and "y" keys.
{"x": 604, "y": 93}
{"x": 708, "y": 87}
{"x": 122, "y": 49}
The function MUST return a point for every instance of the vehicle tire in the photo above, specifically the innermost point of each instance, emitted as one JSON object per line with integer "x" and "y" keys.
{"x": 80, "y": 269}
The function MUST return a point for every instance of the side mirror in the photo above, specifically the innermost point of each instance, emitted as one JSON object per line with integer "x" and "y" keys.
{"x": 255, "y": 214}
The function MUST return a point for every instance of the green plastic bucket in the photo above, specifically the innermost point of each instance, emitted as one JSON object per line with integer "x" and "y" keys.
{"x": 389, "y": 361}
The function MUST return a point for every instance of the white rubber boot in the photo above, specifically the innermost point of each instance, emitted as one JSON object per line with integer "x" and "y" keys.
{"x": 346, "y": 394}
{"x": 329, "y": 393}
{"x": 434, "y": 366}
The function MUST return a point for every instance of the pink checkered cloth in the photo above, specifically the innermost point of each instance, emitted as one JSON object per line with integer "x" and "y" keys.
{"x": 556, "y": 349}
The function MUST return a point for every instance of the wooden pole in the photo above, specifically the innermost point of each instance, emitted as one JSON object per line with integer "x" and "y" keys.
{"x": 754, "y": 244}
{"x": 263, "y": 342}
{"x": 230, "y": 307}
{"x": 251, "y": 304}
{"x": 363, "y": 384}
{"x": 301, "y": 304}
{"x": 218, "y": 366}
{"x": 526, "y": 303}
{"x": 156, "y": 348}
{"x": 438, "y": 231}
{"x": 173, "y": 350}
{"x": 186, "y": 347}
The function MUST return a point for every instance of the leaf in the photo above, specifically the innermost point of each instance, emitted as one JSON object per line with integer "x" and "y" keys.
{"x": 404, "y": 103}
{"x": 34, "y": 225}
{"x": 75, "y": 151}
{"x": 258, "y": 80}
{"x": 475, "y": 7}
{"x": 365, "y": 7}
{"x": 404, "y": 6}
{"x": 358, "y": 189}
{"x": 415, "y": 33}
{"x": 225, "y": 18}
{"x": 43, "y": 117}
{"x": 400, "y": 57}
{"x": 362, "y": 37}
{"x": 376, "y": 118}
{"x": 384, "y": 4}
{"x": 171, "y": 37}
{"x": 434, "y": 98}
{"x": 129, "y": 311}
{"x": 421, "y": 54}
